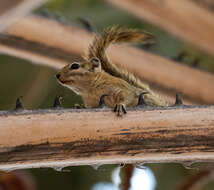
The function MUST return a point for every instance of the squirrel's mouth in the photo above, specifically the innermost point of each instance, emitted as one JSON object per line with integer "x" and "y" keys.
{"x": 65, "y": 81}
{"x": 59, "y": 78}
{"x": 68, "y": 81}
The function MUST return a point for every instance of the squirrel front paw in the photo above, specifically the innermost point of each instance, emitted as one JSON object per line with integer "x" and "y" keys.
{"x": 120, "y": 109}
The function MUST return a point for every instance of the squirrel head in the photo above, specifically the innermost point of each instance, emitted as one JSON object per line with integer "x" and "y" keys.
{"x": 78, "y": 75}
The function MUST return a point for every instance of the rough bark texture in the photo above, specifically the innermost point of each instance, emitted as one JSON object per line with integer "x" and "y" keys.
{"x": 58, "y": 138}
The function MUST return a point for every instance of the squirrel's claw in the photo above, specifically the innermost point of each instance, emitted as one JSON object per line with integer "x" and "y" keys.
{"x": 120, "y": 109}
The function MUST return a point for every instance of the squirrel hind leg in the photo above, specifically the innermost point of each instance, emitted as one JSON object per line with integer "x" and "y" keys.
{"x": 120, "y": 109}
{"x": 119, "y": 99}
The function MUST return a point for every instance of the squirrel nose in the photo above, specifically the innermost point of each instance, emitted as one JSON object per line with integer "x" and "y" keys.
{"x": 57, "y": 75}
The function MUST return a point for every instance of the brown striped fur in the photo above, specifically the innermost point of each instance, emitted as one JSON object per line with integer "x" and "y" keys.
{"x": 97, "y": 76}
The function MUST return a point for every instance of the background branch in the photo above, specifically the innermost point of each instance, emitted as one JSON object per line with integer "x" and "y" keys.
{"x": 67, "y": 43}
{"x": 12, "y": 10}
{"x": 197, "y": 181}
{"x": 183, "y": 18}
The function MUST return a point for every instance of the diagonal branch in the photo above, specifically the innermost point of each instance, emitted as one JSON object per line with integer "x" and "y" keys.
{"x": 58, "y": 44}
{"x": 59, "y": 138}
{"x": 12, "y": 10}
{"x": 208, "y": 4}
{"x": 197, "y": 181}
{"x": 183, "y": 18}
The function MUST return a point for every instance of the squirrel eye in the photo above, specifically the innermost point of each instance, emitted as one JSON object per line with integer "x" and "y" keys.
{"x": 75, "y": 66}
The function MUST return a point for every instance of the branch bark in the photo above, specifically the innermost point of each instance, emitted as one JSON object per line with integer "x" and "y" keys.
{"x": 59, "y": 138}
{"x": 66, "y": 43}
{"x": 12, "y": 10}
{"x": 197, "y": 181}
{"x": 183, "y": 18}
{"x": 209, "y": 4}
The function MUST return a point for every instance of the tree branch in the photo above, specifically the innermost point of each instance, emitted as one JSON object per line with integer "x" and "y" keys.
{"x": 12, "y": 10}
{"x": 181, "y": 17}
{"x": 66, "y": 43}
{"x": 197, "y": 181}
{"x": 59, "y": 138}
{"x": 209, "y": 4}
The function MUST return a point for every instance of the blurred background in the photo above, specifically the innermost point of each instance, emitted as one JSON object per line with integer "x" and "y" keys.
{"x": 38, "y": 86}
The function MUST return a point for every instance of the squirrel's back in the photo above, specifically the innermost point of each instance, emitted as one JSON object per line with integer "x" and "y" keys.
{"x": 115, "y": 35}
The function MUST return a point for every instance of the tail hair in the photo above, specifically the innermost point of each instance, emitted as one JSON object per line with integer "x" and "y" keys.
{"x": 116, "y": 35}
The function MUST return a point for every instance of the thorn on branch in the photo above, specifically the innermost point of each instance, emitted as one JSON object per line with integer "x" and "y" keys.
{"x": 180, "y": 57}
{"x": 87, "y": 24}
{"x": 178, "y": 100}
{"x": 55, "y": 16}
{"x": 196, "y": 62}
{"x": 141, "y": 100}
{"x": 148, "y": 46}
{"x": 46, "y": 13}
{"x": 19, "y": 106}
{"x": 57, "y": 102}
{"x": 102, "y": 103}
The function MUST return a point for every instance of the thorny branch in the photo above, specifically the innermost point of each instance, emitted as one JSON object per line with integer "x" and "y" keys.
{"x": 173, "y": 139}
{"x": 63, "y": 137}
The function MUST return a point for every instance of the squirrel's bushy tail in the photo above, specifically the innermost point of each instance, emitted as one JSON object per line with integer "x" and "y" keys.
{"x": 115, "y": 35}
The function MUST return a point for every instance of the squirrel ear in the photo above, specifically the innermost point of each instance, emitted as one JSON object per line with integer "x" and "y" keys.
{"x": 95, "y": 64}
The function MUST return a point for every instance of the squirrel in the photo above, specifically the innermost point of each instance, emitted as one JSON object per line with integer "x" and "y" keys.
{"x": 96, "y": 76}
